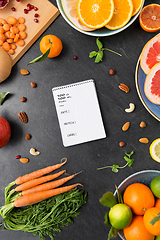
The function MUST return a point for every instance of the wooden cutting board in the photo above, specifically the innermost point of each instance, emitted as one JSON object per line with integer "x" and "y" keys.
{"x": 47, "y": 14}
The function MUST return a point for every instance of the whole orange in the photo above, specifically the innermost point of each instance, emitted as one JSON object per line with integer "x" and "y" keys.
{"x": 137, "y": 230}
{"x": 139, "y": 198}
{"x": 150, "y": 214}
{"x": 53, "y": 42}
{"x": 157, "y": 203}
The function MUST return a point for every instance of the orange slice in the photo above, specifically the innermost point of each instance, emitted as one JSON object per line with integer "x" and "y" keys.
{"x": 123, "y": 10}
{"x": 150, "y": 54}
{"x": 70, "y": 9}
{"x": 95, "y": 13}
{"x": 137, "y": 4}
{"x": 149, "y": 18}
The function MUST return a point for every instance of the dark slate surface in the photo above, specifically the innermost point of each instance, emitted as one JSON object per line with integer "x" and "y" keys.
{"x": 44, "y": 128}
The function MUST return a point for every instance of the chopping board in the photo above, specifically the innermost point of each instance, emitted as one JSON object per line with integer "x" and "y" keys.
{"x": 47, "y": 14}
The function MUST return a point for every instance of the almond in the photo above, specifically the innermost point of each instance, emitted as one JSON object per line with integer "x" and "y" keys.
{"x": 124, "y": 87}
{"x": 24, "y": 160}
{"x": 24, "y": 72}
{"x": 144, "y": 140}
{"x": 126, "y": 126}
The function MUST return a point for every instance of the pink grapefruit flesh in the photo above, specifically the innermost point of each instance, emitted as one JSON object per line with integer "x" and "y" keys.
{"x": 152, "y": 85}
{"x": 150, "y": 54}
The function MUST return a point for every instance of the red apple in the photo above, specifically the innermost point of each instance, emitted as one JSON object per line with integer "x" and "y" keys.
{"x": 5, "y": 132}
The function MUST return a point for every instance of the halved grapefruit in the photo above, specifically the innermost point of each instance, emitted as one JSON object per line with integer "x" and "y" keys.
{"x": 152, "y": 84}
{"x": 150, "y": 54}
{"x": 70, "y": 9}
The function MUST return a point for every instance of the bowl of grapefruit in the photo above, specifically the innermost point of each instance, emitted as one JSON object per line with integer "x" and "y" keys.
{"x": 100, "y": 18}
{"x": 141, "y": 192}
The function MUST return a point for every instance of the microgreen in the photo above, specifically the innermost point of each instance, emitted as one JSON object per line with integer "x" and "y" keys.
{"x": 115, "y": 167}
{"x": 3, "y": 96}
{"x": 99, "y": 55}
{"x": 40, "y": 58}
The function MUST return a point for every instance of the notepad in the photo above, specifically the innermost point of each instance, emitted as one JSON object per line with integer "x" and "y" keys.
{"x": 78, "y": 113}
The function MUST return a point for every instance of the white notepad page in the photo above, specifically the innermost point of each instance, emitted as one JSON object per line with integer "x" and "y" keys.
{"x": 78, "y": 113}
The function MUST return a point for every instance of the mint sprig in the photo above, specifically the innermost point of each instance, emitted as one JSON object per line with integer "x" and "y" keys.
{"x": 3, "y": 96}
{"x": 115, "y": 167}
{"x": 99, "y": 54}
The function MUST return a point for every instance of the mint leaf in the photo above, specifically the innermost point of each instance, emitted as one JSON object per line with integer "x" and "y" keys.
{"x": 112, "y": 233}
{"x": 108, "y": 199}
{"x": 93, "y": 54}
{"x": 3, "y": 96}
{"x": 40, "y": 58}
{"x": 99, "y": 57}
{"x": 99, "y": 44}
{"x": 106, "y": 219}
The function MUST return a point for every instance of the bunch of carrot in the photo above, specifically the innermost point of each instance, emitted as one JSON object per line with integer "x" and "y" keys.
{"x": 34, "y": 187}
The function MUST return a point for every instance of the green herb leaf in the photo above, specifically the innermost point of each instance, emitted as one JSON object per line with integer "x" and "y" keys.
{"x": 93, "y": 54}
{"x": 129, "y": 154}
{"x": 112, "y": 233}
{"x": 155, "y": 219}
{"x": 120, "y": 199}
{"x": 99, "y": 57}
{"x": 99, "y": 44}
{"x": 3, "y": 96}
{"x": 40, "y": 58}
{"x": 115, "y": 168}
{"x": 106, "y": 219}
{"x": 108, "y": 199}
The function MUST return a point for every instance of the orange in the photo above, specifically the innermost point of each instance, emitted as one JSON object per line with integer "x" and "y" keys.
{"x": 150, "y": 54}
{"x": 157, "y": 203}
{"x": 149, "y": 18}
{"x": 137, "y": 230}
{"x": 70, "y": 9}
{"x": 149, "y": 215}
{"x": 53, "y": 42}
{"x": 123, "y": 10}
{"x": 95, "y": 13}
{"x": 137, "y": 4}
{"x": 139, "y": 198}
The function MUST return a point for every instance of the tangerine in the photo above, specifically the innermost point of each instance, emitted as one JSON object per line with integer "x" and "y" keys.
{"x": 139, "y": 198}
{"x": 137, "y": 230}
{"x": 53, "y": 42}
{"x": 149, "y": 18}
{"x": 157, "y": 203}
{"x": 150, "y": 214}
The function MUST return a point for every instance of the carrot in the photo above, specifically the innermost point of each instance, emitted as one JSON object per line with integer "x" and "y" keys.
{"x": 48, "y": 186}
{"x": 40, "y": 196}
{"x": 37, "y": 181}
{"x": 39, "y": 173}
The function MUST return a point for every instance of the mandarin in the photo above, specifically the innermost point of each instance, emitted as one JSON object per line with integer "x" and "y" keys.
{"x": 150, "y": 214}
{"x": 53, "y": 42}
{"x": 139, "y": 198}
{"x": 137, "y": 230}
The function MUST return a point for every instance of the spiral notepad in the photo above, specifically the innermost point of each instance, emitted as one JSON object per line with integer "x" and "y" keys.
{"x": 78, "y": 113}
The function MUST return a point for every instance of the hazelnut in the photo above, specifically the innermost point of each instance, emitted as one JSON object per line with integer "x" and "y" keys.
{"x": 121, "y": 144}
{"x": 33, "y": 84}
{"x": 111, "y": 71}
{"x": 142, "y": 124}
{"x": 23, "y": 99}
{"x": 28, "y": 136}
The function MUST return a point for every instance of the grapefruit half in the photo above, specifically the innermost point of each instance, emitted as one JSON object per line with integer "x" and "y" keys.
{"x": 150, "y": 54}
{"x": 70, "y": 9}
{"x": 152, "y": 85}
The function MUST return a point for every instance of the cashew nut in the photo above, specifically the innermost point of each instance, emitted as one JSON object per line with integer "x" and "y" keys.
{"x": 131, "y": 108}
{"x": 34, "y": 152}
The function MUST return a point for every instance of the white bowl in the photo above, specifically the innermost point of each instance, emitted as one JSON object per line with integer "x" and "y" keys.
{"x": 102, "y": 32}
{"x": 144, "y": 177}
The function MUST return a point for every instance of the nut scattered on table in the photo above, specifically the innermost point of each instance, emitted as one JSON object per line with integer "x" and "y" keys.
{"x": 34, "y": 152}
{"x": 121, "y": 144}
{"x": 126, "y": 126}
{"x": 24, "y": 72}
{"x": 144, "y": 140}
{"x": 112, "y": 71}
{"x": 131, "y": 108}
{"x": 24, "y": 160}
{"x": 142, "y": 124}
{"x": 124, "y": 88}
{"x": 28, "y": 136}
{"x": 23, "y": 99}
{"x": 23, "y": 117}
{"x": 33, "y": 84}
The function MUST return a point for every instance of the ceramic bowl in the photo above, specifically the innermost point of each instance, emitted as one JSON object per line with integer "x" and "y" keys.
{"x": 103, "y": 32}
{"x": 144, "y": 177}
